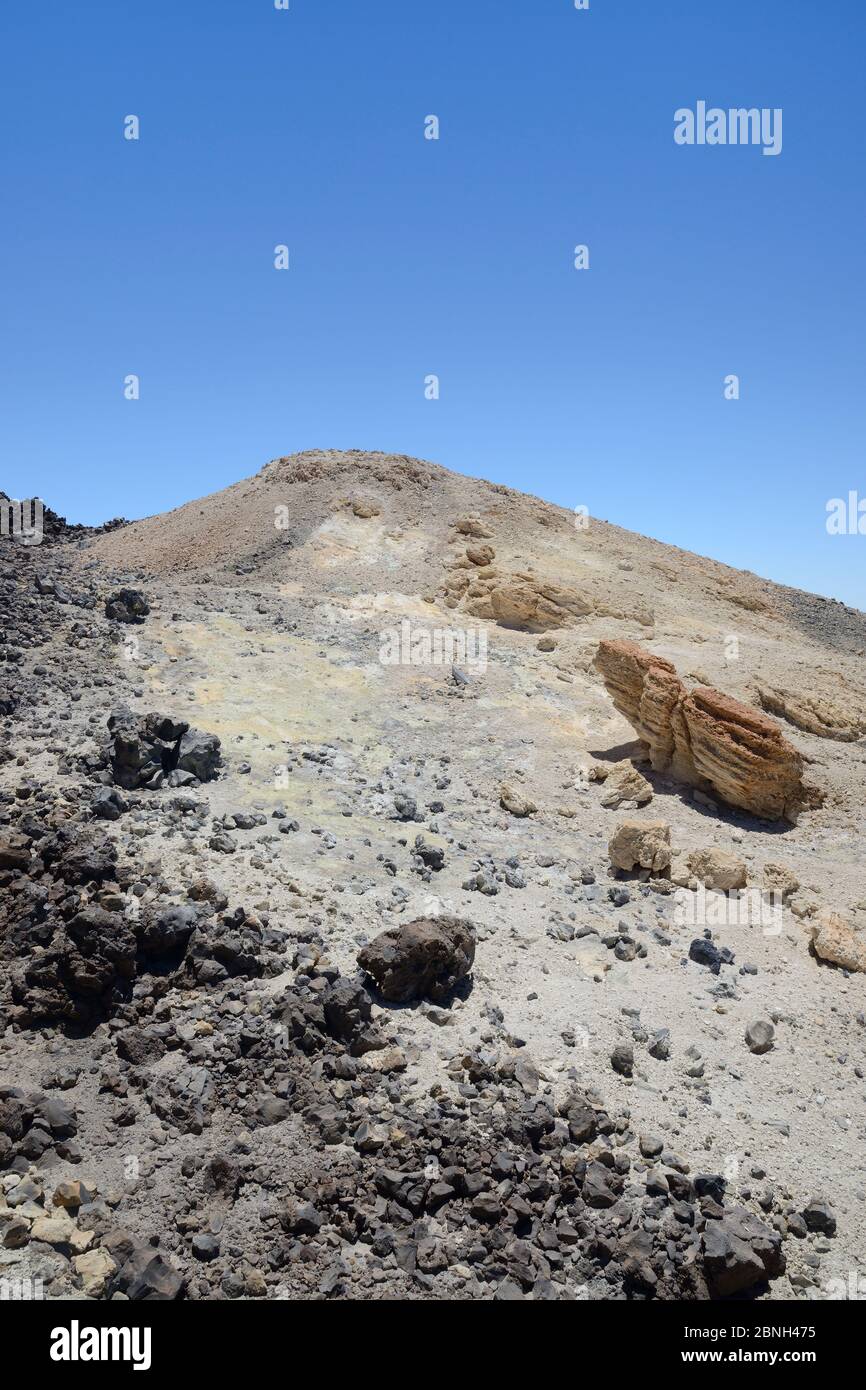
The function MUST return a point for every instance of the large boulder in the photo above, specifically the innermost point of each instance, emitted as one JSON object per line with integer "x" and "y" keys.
{"x": 534, "y": 605}
{"x": 83, "y": 974}
{"x": 641, "y": 844}
{"x": 157, "y": 749}
{"x": 426, "y": 958}
{"x": 841, "y": 716}
{"x": 739, "y": 1251}
{"x": 704, "y": 737}
{"x": 716, "y": 869}
{"x": 139, "y": 758}
{"x": 127, "y": 606}
{"x": 835, "y": 942}
{"x": 199, "y": 753}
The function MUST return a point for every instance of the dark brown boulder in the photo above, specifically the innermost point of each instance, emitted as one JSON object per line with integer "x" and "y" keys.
{"x": 424, "y": 959}
{"x": 127, "y": 606}
{"x": 14, "y": 851}
{"x": 739, "y": 1251}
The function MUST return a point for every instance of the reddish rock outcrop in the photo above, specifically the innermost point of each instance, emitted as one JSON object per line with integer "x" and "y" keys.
{"x": 704, "y": 737}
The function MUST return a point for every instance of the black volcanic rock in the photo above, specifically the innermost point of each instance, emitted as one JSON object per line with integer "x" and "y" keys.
{"x": 423, "y": 959}
{"x": 740, "y": 1251}
{"x": 127, "y": 606}
{"x": 157, "y": 749}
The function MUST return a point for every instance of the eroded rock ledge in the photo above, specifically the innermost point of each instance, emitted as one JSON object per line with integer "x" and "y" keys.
{"x": 703, "y": 737}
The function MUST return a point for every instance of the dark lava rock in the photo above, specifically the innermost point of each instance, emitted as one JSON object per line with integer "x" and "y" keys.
{"x": 139, "y": 1046}
{"x": 146, "y": 1276}
{"x": 205, "y": 1246}
{"x": 127, "y": 606}
{"x": 199, "y": 753}
{"x": 167, "y": 931}
{"x": 739, "y": 1251}
{"x": 148, "y": 752}
{"x": 582, "y": 1123}
{"x": 77, "y": 857}
{"x": 348, "y": 1011}
{"x": 660, "y": 1045}
{"x": 432, "y": 856}
{"x": 759, "y": 1036}
{"x": 710, "y": 1185}
{"x": 601, "y": 1186}
{"x": 31, "y": 1125}
{"x": 272, "y": 1110}
{"x": 704, "y": 952}
{"x": 236, "y": 944}
{"x": 82, "y": 972}
{"x": 633, "y": 1254}
{"x": 302, "y": 1219}
{"x": 14, "y": 851}
{"x": 108, "y": 804}
{"x": 818, "y": 1216}
{"x": 422, "y": 959}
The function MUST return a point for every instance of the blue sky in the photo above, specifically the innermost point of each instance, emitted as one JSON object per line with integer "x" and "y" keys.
{"x": 409, "y": 257}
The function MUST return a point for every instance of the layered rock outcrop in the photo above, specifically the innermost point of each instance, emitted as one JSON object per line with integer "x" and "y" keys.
{"x": 842, "y": 718}
{"x": 704, "y": 737}
{"x": 519, "y": 601}
{"x": 524, "y": 601}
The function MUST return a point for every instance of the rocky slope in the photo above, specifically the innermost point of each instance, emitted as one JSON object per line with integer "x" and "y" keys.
{"x": 611, "y": 1043}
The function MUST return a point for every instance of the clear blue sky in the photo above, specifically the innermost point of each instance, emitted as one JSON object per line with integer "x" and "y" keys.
{"x": 410, "y": 257}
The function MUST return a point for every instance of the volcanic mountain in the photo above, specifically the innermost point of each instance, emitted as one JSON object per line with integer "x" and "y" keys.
{"x": 603, "y": 797}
